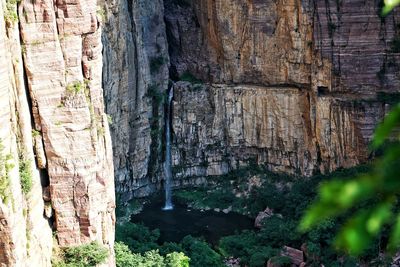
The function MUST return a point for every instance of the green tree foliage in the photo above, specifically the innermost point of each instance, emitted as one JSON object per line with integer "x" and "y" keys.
{"x": 137, "y": 237}
{"x": 389, "y": 6}
{"x": 87, "y": 255}
{"x": 126, "y": 258}
{"x": 200, "y": 253}
{"x": 177, "y": 259}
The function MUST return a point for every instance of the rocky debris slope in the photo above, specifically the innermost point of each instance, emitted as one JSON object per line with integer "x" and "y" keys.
{"x": 56, "y": 68}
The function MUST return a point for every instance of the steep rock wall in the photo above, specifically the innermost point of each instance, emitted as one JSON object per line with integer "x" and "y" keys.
{"x": 53, "y": 117}
{"x": 222, "y": 127}
{"x": 135, "y": 81}
{"x": 25, "y": 234}
{"x": 296, "y": 85}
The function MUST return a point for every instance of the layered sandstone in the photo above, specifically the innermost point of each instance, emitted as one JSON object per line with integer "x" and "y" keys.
{"x": 25, "y": 234}
{"x": 218, "y": 128}
{"x": 57, "y": 68}
{"x": 290, "y": 84}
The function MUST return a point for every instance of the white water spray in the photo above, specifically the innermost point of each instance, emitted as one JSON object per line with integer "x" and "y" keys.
{"x": 168, "y": 159}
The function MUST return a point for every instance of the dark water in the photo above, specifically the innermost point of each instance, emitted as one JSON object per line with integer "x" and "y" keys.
{"x": 181, "y": 221}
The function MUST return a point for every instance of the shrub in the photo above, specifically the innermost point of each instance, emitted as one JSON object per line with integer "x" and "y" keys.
{"x": 188, "y": 77}
{"x": 25, "y": 174}
{"x": 125, "y": 258}
{"x": 281, "y": 261}
{"x": 5, "y": 167}
{"x": 10, "y": 12}
{"x": 177, "y": 259}
{"x": 156, "y": 63}
{"x": 200, "y": 253}
{"x": 76, "y": 87}
{"x": 87, "y": 255}
{"x": 138, "y": 237}
{"x": 35, "y": 133}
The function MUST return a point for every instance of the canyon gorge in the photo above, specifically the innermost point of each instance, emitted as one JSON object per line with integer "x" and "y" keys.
{"x": 297, "y": 86}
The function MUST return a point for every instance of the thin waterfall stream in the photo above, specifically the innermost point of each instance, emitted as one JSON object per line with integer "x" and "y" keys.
{"x": 168, "y": 159}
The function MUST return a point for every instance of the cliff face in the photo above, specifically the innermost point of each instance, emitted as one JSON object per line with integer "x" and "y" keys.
{"x": 55, "y": 130}
{"x": 296, "y": 85}
{"x": 135, "y": 80}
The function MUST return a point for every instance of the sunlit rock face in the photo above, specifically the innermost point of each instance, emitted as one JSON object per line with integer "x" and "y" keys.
{"x": 222, "y": 127}
{"x": 290, "y": 84}
{"x": 53, "y": 116}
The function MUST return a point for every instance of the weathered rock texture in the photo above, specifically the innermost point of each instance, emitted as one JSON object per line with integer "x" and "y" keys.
{"x": 60, "y": 75}
{"x": 25, "y": 234}
{"x": 135, "y": 81}
{"x": 221, "y": 127}
{"x": 295, "y": 85}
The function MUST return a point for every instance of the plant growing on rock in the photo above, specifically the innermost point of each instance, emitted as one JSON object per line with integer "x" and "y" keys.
{"x": 10, "y": 12}
{"x": 25, "y": 174}
{"x": 5, "y": 167}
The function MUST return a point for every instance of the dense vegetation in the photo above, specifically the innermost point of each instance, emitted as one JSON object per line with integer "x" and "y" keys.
{"x": 286, "y": 196}
{"x": 87, "y": 255}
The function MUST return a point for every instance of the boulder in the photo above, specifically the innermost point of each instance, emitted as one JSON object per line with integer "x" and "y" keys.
{"x": 297, "y": 256}
{"x": 261, "y": 216}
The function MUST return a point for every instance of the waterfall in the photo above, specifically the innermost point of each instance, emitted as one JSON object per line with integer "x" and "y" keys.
{"x": 168, "y": 159}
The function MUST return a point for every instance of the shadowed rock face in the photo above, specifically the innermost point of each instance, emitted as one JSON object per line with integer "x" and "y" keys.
{"x": 56, "y": 66}
{"x": 135, "y": 80}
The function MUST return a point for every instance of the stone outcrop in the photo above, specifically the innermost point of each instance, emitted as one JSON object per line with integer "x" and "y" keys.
{"x": 295, "y": 255}
{"x": 53, "y": 121}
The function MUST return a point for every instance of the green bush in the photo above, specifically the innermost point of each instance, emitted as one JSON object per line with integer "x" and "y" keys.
{"x": 200, "y": 253}
{"x": 156, "y": 64}
{"x": 281, "y": 261}
{"x": 188, "y": 77}
{"x": 25, "y": 174}
{"x": 76, "y": 87}
{"x": 5, "y": 167}
{"x": 138, "y": 237}
{"x": 177, "y": 259}
{"x": 10, "y": 13}
{"x": 125, "y": 258}
{"x": 87, "y": 255}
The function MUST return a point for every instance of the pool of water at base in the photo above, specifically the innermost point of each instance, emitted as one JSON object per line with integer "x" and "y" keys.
{"x": 182, "y": 221}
